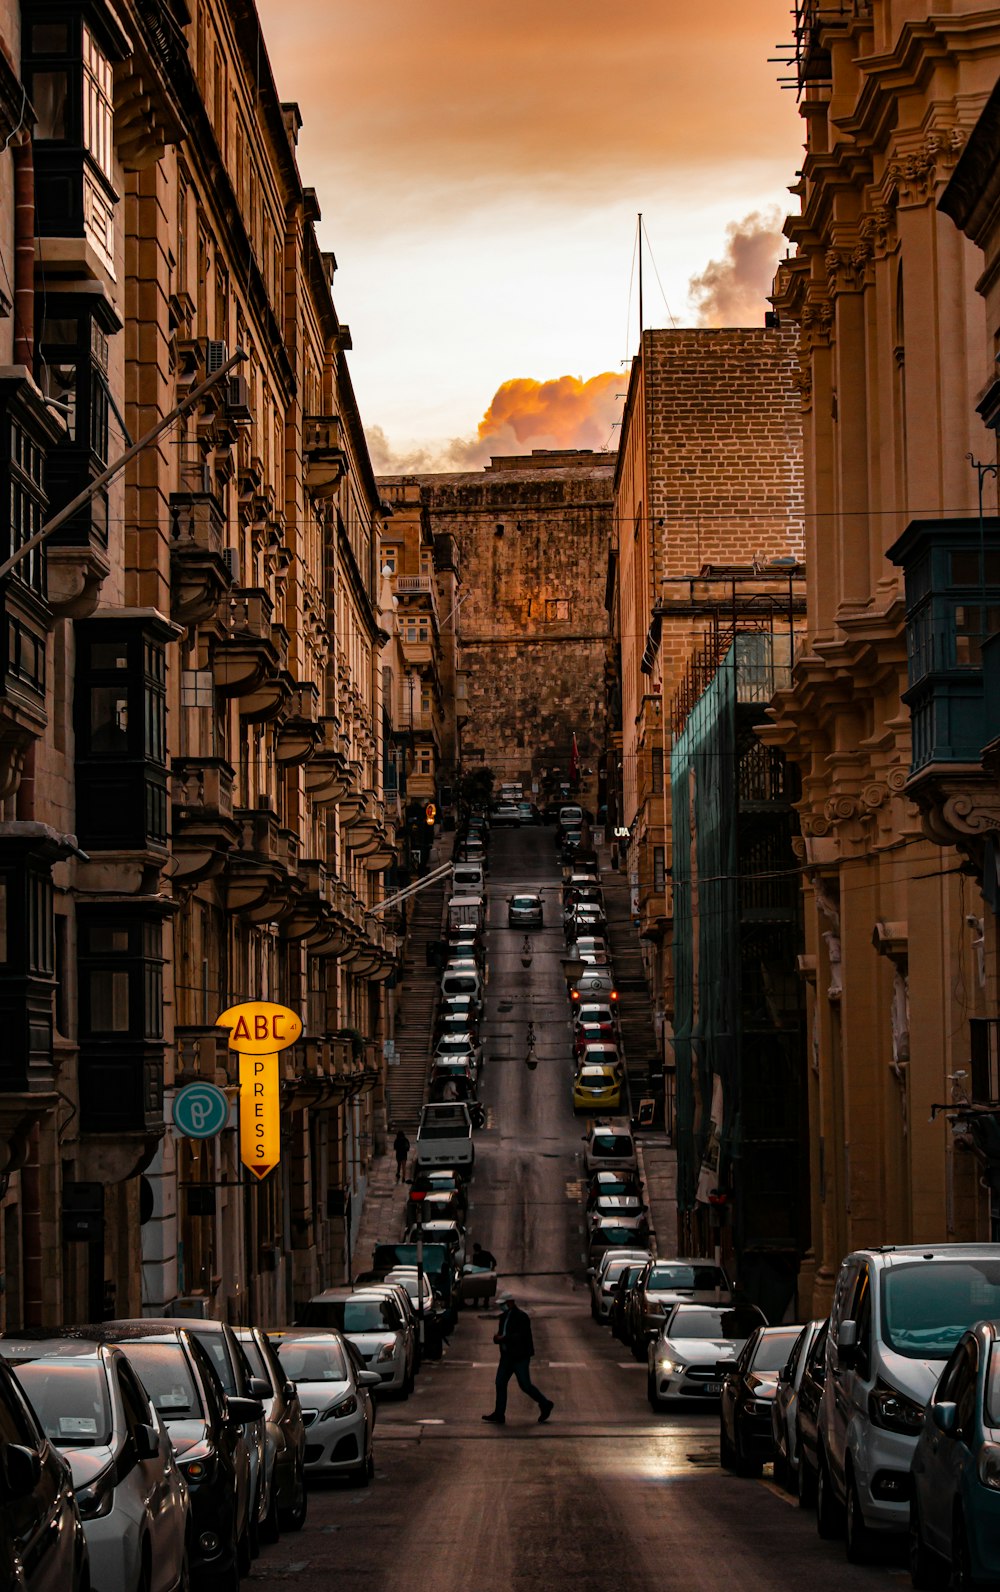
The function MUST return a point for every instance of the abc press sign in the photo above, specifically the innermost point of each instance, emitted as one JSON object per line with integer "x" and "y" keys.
{"x": 258, "y": 1032}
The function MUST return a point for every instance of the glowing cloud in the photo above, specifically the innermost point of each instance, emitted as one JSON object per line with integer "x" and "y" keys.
{"x": 733, "y": 291}
{"x": 565, "y": 412}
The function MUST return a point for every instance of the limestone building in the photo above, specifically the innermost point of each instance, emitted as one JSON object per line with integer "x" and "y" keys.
{"x": 203, "y": 816}
{"x": 531, "y": 535}
{"x": 894, "y": 355}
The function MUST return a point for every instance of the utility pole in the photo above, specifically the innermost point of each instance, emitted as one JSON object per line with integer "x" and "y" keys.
{"x": 640, "y": 282}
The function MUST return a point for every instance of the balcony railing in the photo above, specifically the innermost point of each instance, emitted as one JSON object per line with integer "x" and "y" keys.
{"x": 416, "y": 586}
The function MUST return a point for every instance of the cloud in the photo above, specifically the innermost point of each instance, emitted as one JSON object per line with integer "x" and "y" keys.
{"x": 432, "y": 109}
{"x": 523, "y": 414}
{"x": 733, "y": 291}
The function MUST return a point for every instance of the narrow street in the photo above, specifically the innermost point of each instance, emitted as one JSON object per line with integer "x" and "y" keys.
{"x": 606, "y": 1493}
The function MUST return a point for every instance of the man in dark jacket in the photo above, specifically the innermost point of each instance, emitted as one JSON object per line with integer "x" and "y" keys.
{"x": 516, "y": 1349}
{"x": 401, "y": 1145}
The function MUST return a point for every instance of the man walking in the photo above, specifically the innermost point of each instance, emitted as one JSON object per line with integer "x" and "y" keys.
{"x": 516, "y": 1350}
{"x": 401, "y": 1145}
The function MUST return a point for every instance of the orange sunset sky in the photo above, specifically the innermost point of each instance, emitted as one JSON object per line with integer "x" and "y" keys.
{"x": 479, "y": 171}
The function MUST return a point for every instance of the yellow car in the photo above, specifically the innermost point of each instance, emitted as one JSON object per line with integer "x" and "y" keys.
{"x": 597, "y": 1089}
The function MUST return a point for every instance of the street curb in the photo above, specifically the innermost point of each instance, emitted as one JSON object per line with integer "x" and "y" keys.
{"x": 641, "y": 1163}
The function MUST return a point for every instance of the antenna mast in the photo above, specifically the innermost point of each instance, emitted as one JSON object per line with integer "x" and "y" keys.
{"x": 640, "y": 279}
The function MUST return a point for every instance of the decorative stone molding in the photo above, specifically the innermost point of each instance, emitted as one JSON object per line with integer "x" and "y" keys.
{"x": 841, "y": 808}
{"x": 877, "y": 230}
{"x": 913, "y": 175}
{"x": 847, "y": 270}
{"x": 817, "y": 322}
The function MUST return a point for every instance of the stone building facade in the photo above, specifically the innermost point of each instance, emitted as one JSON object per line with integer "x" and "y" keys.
{"x": 707, "y": 530}
{"x": 531, "y": 534}
{"x": 203, "y": 818}
{"x": 894, "y": 354}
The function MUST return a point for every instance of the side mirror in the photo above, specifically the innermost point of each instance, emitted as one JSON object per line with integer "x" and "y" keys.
{"x": 20, "y": 1471}
{"x": 244, "y": 1411}
{"x": 289, "y": 1390}
{"x": 147, "y": 1442}
{"x": 723, "y": 1368}
{"x": 945, "y": 1417}
{"x": 369, "y": 1379}
{"x": 259, "y": 1389}
{"x": 652, "y": 1333}
{"x": 591, "y": 1272}
{"x": 847, "y": 1344}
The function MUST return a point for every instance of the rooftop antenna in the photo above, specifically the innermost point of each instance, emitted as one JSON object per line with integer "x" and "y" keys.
{"x": 640, "y": 278}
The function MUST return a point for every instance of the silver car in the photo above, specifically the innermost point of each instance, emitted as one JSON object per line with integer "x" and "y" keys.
{"x": 683, "y": 1358}
{"x": 605, "y": 1274}
{"x": 133, "y": 1500}
{"x": 525, "y": 912}
{"x": 377, "y": 1326}
{"x": 786, "y": 1400}
{"x": 337, "y": 1407}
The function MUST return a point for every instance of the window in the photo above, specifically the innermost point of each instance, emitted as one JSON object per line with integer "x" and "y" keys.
{"x": 98, "y": 104}
{"x": 389, "y": 558}
{"x": 659, "y": 869}
{"x": 197, "y": 688}
{"x": 556, "y": 608}
{"x": 120, "y": 718}
{"x": 72, "y": 370}
{"x": 657, "y": 770}
{"x": 972, "y": 625}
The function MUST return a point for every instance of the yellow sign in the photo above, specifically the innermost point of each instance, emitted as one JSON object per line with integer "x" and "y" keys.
{"x": 430, "y": 813}
{"x": 258, "y": 1031}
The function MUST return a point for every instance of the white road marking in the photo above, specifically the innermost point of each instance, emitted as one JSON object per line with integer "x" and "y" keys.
{"x": 632, "y": 1365}
{"x": 568, "y": 1365}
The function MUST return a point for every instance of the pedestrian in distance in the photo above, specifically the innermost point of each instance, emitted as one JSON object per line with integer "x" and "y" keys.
{"x": 482, "y": 1257}
{"x": 516, "y": 1349}
{"x": 401, "y": 1145}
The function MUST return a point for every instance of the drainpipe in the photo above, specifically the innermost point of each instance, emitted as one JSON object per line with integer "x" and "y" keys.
{"x": 31, "y": 1234}
{"x": 24, "y": 253}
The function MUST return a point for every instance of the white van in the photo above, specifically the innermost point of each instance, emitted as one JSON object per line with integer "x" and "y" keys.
{"x": 467, "y": 912}
{"x": 897, "y": 1314}
{"x": 468, "y": 879}
{"x": 463, "y": 981}
{"x": 444, "y": 1137}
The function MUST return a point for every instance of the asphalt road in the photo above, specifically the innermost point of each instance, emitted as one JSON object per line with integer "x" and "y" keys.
{"x": 606, "y": 1495}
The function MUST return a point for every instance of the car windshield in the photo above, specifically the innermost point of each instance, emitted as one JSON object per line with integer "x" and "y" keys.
{"x": 256, "y": 1359}
{"x": 773, "y": 1349}
{"x": 601, "y": 1074}
{"x": 352, "y": 1315}
{"x": 615, "y": 1270}
{"x": 735, "y": 1326}
{"x": 313, "y": 1362}
{"x": 71, "y": 1401}
{"x": 166, "y": 1376}
{"x": 611, "y": 1145}
{"x": 664, "y": 1279}
{"x": 993, "y": 1388}
{"x": 526, "y": 901}
{"x": 458, "y": 981}
{"x": 607, "y": 1233}
{"x": 927, "y": 1306}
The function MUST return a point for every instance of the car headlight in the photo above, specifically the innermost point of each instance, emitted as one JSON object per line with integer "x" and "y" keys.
{"x": 668, "y": 1365}
{"x": 96, "y": 1500}
{"x": 345, "y": 1406}
{"x": 989, "y": 1466}
{"x": 386, "y": 1352}
{"x": 894, "y": 1411}
{"x": 198, "y": 1464}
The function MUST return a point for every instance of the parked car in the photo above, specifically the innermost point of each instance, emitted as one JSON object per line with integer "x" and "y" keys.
{"x": 594, "y": 981}
{"x": 468, "y": 879}
{"x": 684, "y": 1358}
{"x": 617, "y": 1232}
{"x": 506, "y": 816}
{"x": 748, "y": 1388}
{"x": 442, "y": 1181}
{"x": 133, "y": 1502}
{"x": 467, "y": 980}
{"x": 432, "y": 1229}
{"x": 955, "y": 1471}
{"x": 460, "y": 1046}
{"x": 286, "y": 1436}
{"x": 666, "y": 1283}
{"x": 439, "y": 1205}
{"x": 601, "y": 1053}
{"x": 583, "y": 919}
{"x": 595, "y": 1011}
{"x": 444, "y": 1137}
{"x": 616, "y": 1205}
{"x": 378, "y": 1328}
{"x": 336, "y": 1394}
{"x": 603, "y": 1276}
{"x": 594, "y": 1034}
{"x": 570, "y": 816}
{"x": 807, "y": 1405}
{"x": 528, "y": 813}
{"x": 609, "y": 1145}
{"x": 619, "y": 1293}
{"x": 618, "y": 1182}
{"x": 207, "y": 1430}
{"x": 897, "y": 1315}
{"x": 597, "y": 1088}
{"x": 42, "y": 1543}
{"x": 458, "y": 1013}
{"x": 525, "y": 912}
{"x": 786, "y": 1398}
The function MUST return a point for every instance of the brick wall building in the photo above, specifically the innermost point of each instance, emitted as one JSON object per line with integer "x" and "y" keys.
{"x": 708, "y": 495}
{"x": 532, "y": 533}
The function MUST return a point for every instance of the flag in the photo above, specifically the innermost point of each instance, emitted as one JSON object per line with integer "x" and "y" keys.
{"x": 574, "y": 761}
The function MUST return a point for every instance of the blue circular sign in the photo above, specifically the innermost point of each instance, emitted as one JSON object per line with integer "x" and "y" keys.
{"x": 200, "y": 1110}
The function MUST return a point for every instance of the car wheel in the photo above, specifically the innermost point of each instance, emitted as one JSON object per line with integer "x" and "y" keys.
{"x": 270, "y": 1526}
{"x": 361, "y": 1475}
{"x": 294, "y": 1519}
{"x": 744, "y": 1465}
{"x": 925, "y": 1569}
{"x": 961, "y": 1559}
{"x": 655, "y": 1401}
{"x": 805, "y": 1482}
{"x": 638, "y": 1350}
{"x": 857, "y": 1535}
{"x": 829, "y": 1522}
{"x": 782, "y": 1474}
{"x": 244, "y": 1554}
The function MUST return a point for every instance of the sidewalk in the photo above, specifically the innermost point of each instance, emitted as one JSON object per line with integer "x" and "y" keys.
{"x": 658, "y": 1170}
{"x": 382, "y": 1212}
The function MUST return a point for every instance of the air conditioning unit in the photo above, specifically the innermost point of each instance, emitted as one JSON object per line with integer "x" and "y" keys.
{"x": 216, "y": 354}
{"x": 238, "y": 398}
{"x": 231, "y": 559}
